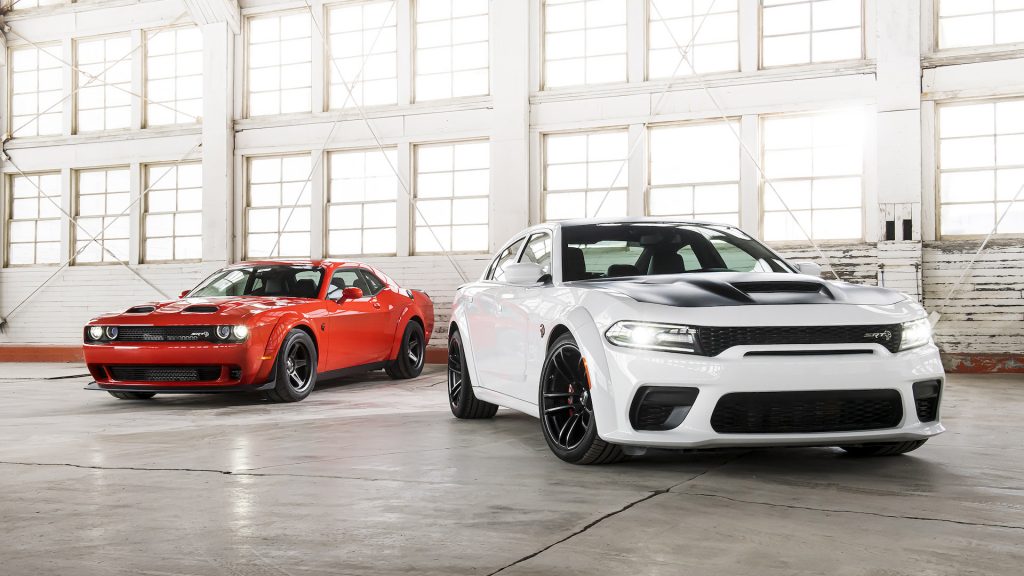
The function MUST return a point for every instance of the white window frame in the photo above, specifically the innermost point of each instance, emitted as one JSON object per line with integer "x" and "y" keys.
{"x": 19, "y": 123}
{"x": 810, "y": 31}
{"x": 79, "y": 235}
{"x": 624, "y": 176}
{"x": 40, "y": 199}
{"x": 994, "y": 168}
{"x": 684, "y": 69}
{"x": 173, "y": 106}
{"x": 452, "y": 46}
{"x": 149, "y": 187}
{"x": 544, "y": 58}
{"x": 356, "y": 85}
{"x": 650, "y": 186}
{"x": 247, "y": 48}
{"x": 764, "y": 190}
{"x": 80, "y": 82}
{"x": 361, "y": 204}
{"x": 970, "y": 48}
{"x": 414, "y": 212}
{"x": 281, "y": 207}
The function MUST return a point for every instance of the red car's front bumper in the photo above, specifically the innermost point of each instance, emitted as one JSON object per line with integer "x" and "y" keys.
{"x": 178, "y": 367}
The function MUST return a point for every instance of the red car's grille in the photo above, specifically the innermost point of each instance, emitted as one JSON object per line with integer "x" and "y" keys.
{"x": 166, "y": 334}
{"x": 164, "y": 373}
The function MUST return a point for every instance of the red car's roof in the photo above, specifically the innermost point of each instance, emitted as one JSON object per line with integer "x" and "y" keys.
{"x": 318, "y": 262}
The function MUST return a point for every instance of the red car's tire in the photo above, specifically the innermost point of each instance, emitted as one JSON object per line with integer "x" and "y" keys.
{"x": 132, "y": 395}
{"x": 409, "y": 362}
{"x": 295, "y": 368}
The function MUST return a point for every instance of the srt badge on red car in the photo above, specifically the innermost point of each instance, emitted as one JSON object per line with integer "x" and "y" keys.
{"x": 273, "y": 327}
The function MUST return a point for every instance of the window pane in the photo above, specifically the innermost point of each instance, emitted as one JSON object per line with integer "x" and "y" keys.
{"x": 674, "y": 23}
{"x": 964, "y": 23}
{"x": 173, "y": 224}
{"x": 35, "y": 219}
{"x": 814, "y": 166}
{"x": 451, "y": 49}
{"x": 277, "y": 209}
{"x": 452, "y": 187}
{"x": 280, "y": 64}
{"x": 361, "y": 207}
{"x": 104, "y": 195}
{"x": 584, "y": 42}
{"x": 174, "y": 76}
{"x": 975, "y": 139}
{"x": 36, "y": 91}
{"x": 362, "y": 52}
{"x": 803, "y": 32}
{"x": 594, "y": 164}
{"x": 104, "y": 80}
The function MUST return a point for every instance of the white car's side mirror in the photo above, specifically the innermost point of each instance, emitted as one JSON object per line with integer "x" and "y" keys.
{"x": 523, "y": 273}
{"x": 809, "y": 268}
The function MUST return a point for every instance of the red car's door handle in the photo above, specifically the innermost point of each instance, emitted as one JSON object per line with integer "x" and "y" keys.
{"x": 376, "y": 304}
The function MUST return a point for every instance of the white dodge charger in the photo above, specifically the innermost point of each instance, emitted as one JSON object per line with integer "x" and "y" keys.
{"x": 626, "y": 334}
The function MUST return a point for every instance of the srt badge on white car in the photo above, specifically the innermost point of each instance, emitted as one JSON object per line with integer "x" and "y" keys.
{"x": 626, "y": 334}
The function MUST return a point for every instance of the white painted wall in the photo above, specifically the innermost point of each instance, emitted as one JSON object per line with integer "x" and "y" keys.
{"x": 900, "y": 82}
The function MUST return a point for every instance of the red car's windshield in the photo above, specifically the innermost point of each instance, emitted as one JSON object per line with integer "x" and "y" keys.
{"x": 282, "y": 280}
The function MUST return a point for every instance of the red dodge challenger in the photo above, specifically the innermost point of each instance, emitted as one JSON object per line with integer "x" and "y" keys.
{"x": 272, "y": 327}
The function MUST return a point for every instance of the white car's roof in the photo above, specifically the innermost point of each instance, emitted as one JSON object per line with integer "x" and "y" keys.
{"x": 634, "y": 220}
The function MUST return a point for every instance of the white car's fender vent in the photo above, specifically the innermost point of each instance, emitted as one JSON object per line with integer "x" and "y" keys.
{"x": 807, "y": 412}
{"x": 714, "y": 340}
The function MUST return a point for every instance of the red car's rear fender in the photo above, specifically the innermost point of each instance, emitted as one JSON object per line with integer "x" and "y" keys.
{"x": 421, "y": 308}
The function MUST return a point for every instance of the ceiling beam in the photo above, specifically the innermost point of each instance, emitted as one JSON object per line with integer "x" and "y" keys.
{"x": 210, "y": 11}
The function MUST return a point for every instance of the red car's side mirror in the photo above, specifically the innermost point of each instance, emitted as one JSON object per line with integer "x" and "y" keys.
{"x": 183, "y": 293}
{"x": 350, "y": 294}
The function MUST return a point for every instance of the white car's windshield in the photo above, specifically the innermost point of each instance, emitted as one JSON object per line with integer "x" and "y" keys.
{"x": 612, "y": 250}
{"x": 280, "y": 280}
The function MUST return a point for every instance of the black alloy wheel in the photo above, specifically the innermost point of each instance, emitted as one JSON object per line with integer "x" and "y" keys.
{"x": 567, "y": 408}
{"x": 461, "y": 399}
{"x": 295, "y": 369}
{"x": 411, "y": 355}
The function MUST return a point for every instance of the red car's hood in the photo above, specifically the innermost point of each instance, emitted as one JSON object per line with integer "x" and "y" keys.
{"x": 202, "y": 310}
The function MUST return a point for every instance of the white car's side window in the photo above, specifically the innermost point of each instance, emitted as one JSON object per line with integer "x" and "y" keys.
{"x": 538, "y": 251}
{"x": 506, "y": 257}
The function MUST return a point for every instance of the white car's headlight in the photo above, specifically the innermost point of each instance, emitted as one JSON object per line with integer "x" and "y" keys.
{"x": 916, "y": 333}
{"x": 653, "y": 336}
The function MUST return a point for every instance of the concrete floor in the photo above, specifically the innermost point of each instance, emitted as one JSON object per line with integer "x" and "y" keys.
{"x": 372, "y": 477}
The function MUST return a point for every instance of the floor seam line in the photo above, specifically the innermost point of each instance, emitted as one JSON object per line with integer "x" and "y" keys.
{"x": 611, "y": 514}
{"x": 845, "y": 511}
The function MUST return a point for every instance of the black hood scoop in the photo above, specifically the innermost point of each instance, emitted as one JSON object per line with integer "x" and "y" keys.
{"x": 201, "y": 309}
{"x": 739, "y": 289}
{"x": 140, "y": 309}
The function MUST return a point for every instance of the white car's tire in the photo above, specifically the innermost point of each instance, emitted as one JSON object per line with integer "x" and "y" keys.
{"x": 566, "y": 408}
{"x": 461, "y": 400}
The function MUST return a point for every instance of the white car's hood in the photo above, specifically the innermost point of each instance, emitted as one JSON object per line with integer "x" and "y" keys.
{"x": 709, "y": 289}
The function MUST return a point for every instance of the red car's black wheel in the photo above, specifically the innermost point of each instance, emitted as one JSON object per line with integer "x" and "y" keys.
{"x": 567, "y": 409}
{"x": 296, "y": 368}
{"x": 409, "y": 362}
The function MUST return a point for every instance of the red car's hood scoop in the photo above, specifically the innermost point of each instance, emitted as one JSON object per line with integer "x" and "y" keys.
{"x": 193, "y": 310}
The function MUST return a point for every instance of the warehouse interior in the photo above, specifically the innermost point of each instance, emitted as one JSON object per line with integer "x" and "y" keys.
{"x": 148, "y": 143}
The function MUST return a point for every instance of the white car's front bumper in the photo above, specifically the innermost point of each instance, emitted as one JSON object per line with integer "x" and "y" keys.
{"x": 732, "y": 371}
